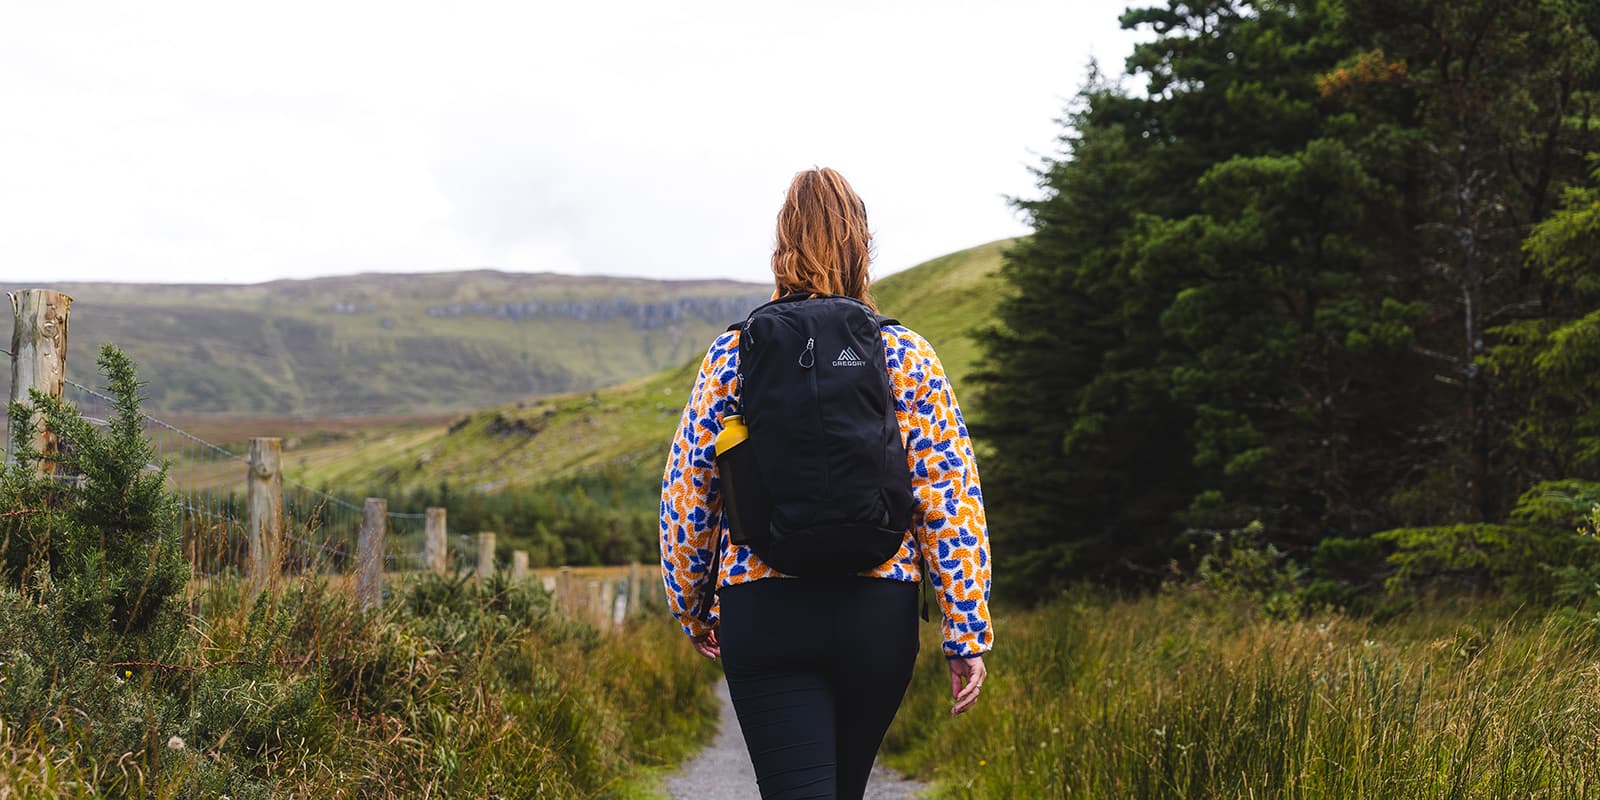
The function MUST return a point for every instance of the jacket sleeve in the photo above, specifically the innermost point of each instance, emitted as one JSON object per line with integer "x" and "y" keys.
{"x": 691, "y": 505}
{"x": 952, "y": 531}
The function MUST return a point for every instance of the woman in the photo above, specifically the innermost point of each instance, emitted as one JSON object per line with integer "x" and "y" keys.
{"x": 817, "y": 667}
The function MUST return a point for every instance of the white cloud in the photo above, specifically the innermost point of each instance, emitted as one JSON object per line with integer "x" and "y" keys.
{"x": 206, "y": 141}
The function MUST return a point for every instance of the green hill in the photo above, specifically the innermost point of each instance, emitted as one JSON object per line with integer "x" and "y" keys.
{"x": 945, "y": 300}
{"x": 624, "y": 427}
{"x": 387, "y": 344}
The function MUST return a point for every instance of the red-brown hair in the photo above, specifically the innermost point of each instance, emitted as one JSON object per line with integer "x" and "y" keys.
{"x": 823, "y": 244}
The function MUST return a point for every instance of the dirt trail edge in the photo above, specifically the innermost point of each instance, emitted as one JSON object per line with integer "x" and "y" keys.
{"x": 723, "y": 772}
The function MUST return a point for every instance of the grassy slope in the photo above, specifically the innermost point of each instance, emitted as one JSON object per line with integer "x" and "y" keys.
{"x": 285, "y": 347}
{"x": 510, "y": 446}
{"x": 945, "y": 300}
{"x": 625, "y": 427}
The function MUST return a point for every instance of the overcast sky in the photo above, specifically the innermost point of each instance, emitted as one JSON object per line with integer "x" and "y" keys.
{"x": 219, "y": 141}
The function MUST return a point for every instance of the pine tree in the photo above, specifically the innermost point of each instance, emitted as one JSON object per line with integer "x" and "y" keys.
{"x": 1269, "y": 287}
{"x": 1494, "y": 85}
{"x": 1552, "y": 362}
{"x": 1096, "y": 461}
{"x": 1057, "y": 493}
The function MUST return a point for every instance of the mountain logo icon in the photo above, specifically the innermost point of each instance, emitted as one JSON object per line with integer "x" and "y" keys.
{"x": 848, "y": 358}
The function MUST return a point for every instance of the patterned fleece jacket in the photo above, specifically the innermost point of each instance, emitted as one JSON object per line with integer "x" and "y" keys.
{"x": 949, "y": 530}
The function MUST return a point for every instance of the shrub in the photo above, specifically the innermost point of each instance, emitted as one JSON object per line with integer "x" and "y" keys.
{"x": 92, "y": 629}
{"x": 96, "y": 533}
{"x": 1240, "y": 565}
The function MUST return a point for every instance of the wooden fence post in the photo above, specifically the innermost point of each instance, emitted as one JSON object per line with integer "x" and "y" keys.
{"x": 619, "y": 608}
{"x": 369, "y": 553}
{"x": 38, "y": 357}
{"x": 633, "y": 588}
{"x": 519, "y": 565}
{"x": 597, "y": 605}
{"x": 564, "y": 590}
{"x": 435, "y": 551}
{"x": 265, "y": 496}
{"x": 485, "y": 555}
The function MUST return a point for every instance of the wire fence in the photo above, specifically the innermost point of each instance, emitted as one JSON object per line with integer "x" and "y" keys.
{"x": 408, "y": 533}
{"x": 320, "y": 528}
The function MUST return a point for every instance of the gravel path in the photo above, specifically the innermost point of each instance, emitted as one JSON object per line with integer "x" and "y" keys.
{"x": 723, "y": 772}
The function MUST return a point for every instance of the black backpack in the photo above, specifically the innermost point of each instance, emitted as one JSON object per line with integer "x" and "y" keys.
{"x": 821, "y": 486}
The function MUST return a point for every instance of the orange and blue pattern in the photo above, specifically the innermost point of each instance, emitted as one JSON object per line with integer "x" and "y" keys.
{"x": 950, "y": 527}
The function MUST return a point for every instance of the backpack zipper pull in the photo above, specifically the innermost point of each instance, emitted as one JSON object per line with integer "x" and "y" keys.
{"x": 809, "y": 357}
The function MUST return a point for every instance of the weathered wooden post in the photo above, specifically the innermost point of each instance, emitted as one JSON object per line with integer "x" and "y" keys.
{"x": 38, "y": 357}
{"x": 369, "y": 553}
{"x": 485, "y": 555}
{"x": 564, "y": 590}
{"x": 633, "y": 587}
{"x": 619, "y": 608}
{"x": 265, "y": 496}
{"x": 519, "y": 565}
{"x": 597, "y": 605}
{"x": 435, "y": 551}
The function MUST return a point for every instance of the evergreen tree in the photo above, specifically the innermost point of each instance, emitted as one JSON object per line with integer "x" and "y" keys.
{"x": 1288, "y": 354}
{"x": 1095, "y": 460}
{"x": 1494, "y": 86}
{"x": 1282, "y": 284}
{"x": 1058, "y": 495}
{"x": 1552, "y": 362}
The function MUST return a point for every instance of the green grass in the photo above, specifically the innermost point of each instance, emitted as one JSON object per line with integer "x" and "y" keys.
{"x": 1178, "y": 697}
{"x": 625, "y": 428}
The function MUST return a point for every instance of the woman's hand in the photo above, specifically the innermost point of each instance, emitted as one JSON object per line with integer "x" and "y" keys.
{"x": 708, "y": 645}
{"x": 966, "y": 680}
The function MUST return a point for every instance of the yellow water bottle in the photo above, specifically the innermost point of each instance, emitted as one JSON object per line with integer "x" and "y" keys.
{"x": 743, "y": 500}
{"x": 734, "y": 432}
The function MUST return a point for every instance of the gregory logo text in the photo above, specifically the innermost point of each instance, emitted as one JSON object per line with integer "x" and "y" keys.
{"x": 848, "y": 358}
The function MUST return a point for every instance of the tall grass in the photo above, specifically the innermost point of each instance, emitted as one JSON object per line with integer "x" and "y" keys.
{"x": 1177, "y": 697}
{"x": 457, "y": 689}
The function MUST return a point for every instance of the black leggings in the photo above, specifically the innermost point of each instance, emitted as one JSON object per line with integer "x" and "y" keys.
{"x": 817, "y": 669}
